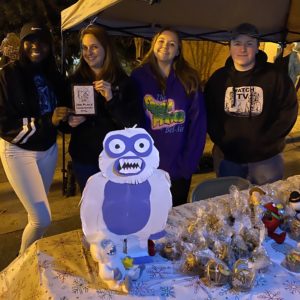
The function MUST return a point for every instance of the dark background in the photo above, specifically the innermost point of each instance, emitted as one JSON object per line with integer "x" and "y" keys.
{"x": 14, "y": 13}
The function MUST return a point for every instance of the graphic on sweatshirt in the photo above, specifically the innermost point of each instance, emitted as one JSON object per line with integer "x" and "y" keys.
{"x": 47, "y": 99}
{"x": 163, "y": 113}
{"x": 247, "y": 100}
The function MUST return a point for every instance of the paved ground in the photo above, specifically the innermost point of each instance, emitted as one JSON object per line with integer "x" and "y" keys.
{"x": 65, "y": 210}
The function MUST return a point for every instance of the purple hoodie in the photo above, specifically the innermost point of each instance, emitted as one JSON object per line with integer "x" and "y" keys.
{"x": 176, "y": 122}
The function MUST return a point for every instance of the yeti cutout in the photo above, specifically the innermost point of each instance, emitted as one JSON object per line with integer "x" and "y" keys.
{"x": 129, "y": 200}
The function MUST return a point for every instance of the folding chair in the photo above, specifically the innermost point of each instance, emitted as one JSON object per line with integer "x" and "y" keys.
{"x": 218, "y": 186}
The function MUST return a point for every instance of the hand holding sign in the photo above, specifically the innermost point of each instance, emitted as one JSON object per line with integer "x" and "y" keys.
{"x": 104, "y": 88}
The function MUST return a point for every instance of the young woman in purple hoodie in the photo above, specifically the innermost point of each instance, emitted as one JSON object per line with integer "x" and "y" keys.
{"x": 174, "y": 110}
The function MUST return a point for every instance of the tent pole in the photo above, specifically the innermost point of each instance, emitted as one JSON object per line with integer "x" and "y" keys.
{"x": 62, "y": 70}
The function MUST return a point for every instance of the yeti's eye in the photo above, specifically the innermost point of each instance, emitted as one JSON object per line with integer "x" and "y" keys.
{"x": 141, "y": 145}
{"x": 116, "y": 146}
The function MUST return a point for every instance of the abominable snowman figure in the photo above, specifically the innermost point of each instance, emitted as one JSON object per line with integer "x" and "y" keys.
{"x": 111, "y": 268}
{"x": 129, "y": 200}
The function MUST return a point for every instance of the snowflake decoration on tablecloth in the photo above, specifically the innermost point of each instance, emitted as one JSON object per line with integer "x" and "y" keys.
{"x": 158, "y": 272}
{"x": 63, "y": 258}
{"x": 140, "y": 288}
{"x": 197, "y": 285}
{"x": 105, "y": 294}
{"x": 260, "y": 281}
{"x": 45, "y": 264}
{"x": 292, "y": 286}
{"x": 79, "y": 286}
{"x": 167, "y": 291}
{"x": 228, "y": 290}
{"x": 62, "y": 275}
{"x": 270, "y": 295}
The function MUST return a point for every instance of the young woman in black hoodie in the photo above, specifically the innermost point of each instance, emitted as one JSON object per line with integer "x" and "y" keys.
{"x": 32, "y": 106}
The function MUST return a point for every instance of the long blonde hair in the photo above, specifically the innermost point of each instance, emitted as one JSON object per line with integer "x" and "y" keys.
{"x": 185, "y": 73}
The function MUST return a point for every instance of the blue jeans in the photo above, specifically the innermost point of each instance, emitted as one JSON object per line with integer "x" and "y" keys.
{"x": 261, "y": 172}
{"x": 83, "y": 172}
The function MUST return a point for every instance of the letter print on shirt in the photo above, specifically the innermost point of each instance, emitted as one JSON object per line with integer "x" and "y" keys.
{"x": 162, "y": 113}
{"x": 247, "y": 99}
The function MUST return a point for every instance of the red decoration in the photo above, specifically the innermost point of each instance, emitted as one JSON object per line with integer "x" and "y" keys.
{"x": 151, "y": 248}
{"x": 272, "y": 219}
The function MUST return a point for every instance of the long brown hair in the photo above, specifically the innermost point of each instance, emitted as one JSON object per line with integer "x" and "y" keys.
{"x": 185, "y": 73}
{"x": 111, "y": 68}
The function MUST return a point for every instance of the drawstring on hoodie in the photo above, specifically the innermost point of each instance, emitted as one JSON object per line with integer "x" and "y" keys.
{"x": 251, "y": 102}
{"x": 234, "y": 95}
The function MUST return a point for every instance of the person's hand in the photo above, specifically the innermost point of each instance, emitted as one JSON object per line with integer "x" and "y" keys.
{"x": 74, "y": 120}
{"x": 60, "y": 113}
{"x": 104, "y": 88}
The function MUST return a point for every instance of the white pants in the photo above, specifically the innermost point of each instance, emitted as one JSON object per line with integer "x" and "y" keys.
{"x": 30, "y": 174}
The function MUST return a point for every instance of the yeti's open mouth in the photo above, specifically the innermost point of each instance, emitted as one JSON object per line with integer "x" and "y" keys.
{"x": 130, "y": 165}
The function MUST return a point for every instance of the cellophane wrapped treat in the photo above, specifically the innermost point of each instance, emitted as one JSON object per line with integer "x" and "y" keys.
{"x": 243, "y": 275}
{"x": 170, "y": 250}
{"x": 295, "y": 229}
{"x": 217, "y": 272}
{"x": 292, "y": 260}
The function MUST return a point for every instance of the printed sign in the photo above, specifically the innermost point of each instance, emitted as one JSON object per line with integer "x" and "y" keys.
{"x": 84, "y": 100}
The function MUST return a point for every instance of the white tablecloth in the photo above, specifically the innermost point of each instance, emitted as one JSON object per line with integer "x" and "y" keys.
{"x": 60, "y": 267}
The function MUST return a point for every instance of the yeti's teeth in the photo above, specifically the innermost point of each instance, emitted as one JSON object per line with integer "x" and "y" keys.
{"x": 130, "y": 165}
{"x": 121, "y": 162}
{"x": 130, "y": 170}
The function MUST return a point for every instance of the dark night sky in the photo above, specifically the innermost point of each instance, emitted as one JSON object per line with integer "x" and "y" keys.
{"x": 14, "y": 14}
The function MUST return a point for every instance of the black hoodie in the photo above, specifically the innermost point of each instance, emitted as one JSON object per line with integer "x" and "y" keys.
{"x": 250, "y": 113}
{"x": 21, "y": 120}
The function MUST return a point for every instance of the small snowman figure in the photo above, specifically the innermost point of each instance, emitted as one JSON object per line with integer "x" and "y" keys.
{"x": 294, "y": 203}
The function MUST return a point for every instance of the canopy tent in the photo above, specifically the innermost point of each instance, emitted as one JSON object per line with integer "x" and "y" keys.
{"x": 277, "y": 20}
